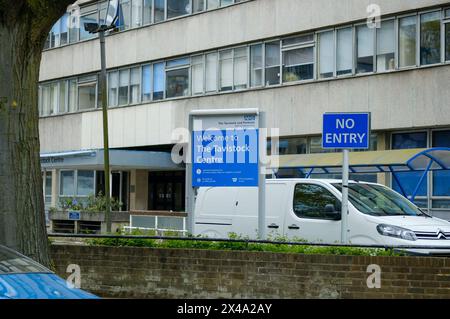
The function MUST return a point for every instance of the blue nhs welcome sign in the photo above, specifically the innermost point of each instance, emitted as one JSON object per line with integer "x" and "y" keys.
{"x": 225, "y": 151}
{"x": 346, "y": 130}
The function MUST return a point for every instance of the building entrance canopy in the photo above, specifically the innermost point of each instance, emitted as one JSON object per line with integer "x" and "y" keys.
{"x": 391, "y": 161}
{"x": 119, "y": 160}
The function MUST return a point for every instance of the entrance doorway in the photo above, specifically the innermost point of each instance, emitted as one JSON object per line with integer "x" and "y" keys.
{"x": 166, "y": 191}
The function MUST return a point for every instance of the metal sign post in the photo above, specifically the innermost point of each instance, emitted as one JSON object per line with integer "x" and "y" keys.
{"x": 345, "y": 131}
{"x": 344, "y": 205}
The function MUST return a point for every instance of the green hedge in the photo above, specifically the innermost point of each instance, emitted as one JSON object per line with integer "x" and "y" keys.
{"x": 243, "y": 246}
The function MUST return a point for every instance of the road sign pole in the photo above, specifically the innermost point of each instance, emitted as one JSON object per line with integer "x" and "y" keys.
{"x": 344, "y": 213}
{"x": 190, "y": 193}
{"x": 262, "y": 178}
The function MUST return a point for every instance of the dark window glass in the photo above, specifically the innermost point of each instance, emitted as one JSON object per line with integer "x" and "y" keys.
{"x": 273, "y": 63}
{"x": 365, "y": 49}
{"x": 298, "y": 64}
{"x": 430, "y": 38}
{"x": 159, "y": 11}
{"x": 409, "y": 180}
{"x": 177, "y": 8}
{"x": 447, "y": 42}
{"x": 314, "y": 201}
{"x": 441, "y": 179}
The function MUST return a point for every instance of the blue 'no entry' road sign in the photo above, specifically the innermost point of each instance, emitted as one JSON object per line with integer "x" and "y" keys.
{"x": 346, "y": 130}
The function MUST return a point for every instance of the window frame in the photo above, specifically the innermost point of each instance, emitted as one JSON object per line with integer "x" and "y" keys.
{"x": 445, "y": 20}
{"x": 85, "y": 84}
{"x": 396, "y": 45}
{"x": 203, "y": 64}
{"x": 353, "y": 35}
{"x": 176, "y": 68}
{"x": 417, "y": 48}
{"x": 280, "y": 63}
{"x": 355, "y": 49}
{"x": 318, "y": 60}
{"x": 75, "y": 183}
{"x": 419, "y": 35}
{"x": 302, "y": 45}
{"x": 323, "y": 218}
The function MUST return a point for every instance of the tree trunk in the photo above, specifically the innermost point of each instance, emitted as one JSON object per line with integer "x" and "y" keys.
{"x": 22, "y": 220}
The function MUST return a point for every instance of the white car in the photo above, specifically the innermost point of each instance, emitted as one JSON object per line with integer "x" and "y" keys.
{"x": 310, "y": 209}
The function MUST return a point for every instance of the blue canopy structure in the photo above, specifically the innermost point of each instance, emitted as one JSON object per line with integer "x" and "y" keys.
{"x": 390, "y": 161}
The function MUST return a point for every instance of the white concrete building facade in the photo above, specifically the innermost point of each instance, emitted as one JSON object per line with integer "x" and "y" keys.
{"x": 293, "y": 59}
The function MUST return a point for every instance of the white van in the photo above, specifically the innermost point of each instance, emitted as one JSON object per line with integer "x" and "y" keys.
{"x": 310, "y": 209}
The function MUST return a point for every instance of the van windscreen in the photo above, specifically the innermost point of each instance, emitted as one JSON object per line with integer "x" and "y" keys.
{"x": 378, "y": 200}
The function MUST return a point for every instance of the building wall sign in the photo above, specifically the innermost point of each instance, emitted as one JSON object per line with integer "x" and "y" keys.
{"x": 225, "y": 151}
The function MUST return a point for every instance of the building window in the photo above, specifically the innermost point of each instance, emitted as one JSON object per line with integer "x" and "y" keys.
{"x": 76, "y": 184}
{"x": 147, "y": 11}
{"x": 256, "y": 65}
{"x": 113, "y": 85}
{"x": 87, "y": 15}
{"x": 74, "y": 27}
{"x": 124, "y": 20}
{"x": 62, "y": 97}
{"x": 198, "y": 5}
{"x": 197, "y": 74}
{"x": 135, "y": 85}
{"x": 160, "y": 11}
{"x": 211, "y": 72}
{"x": 85, "y": 183}
{"x": 240, "y": 74}
{"x": 87, "y": 90}
{"x": 364, "y": 49}
{"x": 272, "y": 63}
{"x": 67, "y": 183}
{"x": 430, "y": 38}
{"x": 73, "y": 95}
{"x": 48, "y": 188}
{"x": 298, "y": 58}
{"x": 64, "y": 36}
{"x": 226, "y": 70}
{"x": 447, "y": 39}
{"x": 386, "y": 43}
{"x": 177, "y": 74}
{"x": 407, "y": 41}
{"x": 213, "y": 4}
{"x": 409, "y": 180}
{"x": 54, "y": 34}
{"x": 124, "y": 82}
{"x": 176, "y": 8}
{"x": 326, "y": 54}
{"x": 136, "y": 13}
{"x": 146, "y": 83}
{"x": 159, "y": 83}
{"x": 441, "y": 179}
{"x": 344, "y": 51}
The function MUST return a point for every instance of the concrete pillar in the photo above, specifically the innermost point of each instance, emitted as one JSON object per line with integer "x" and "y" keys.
{"x": 382, "y": 178}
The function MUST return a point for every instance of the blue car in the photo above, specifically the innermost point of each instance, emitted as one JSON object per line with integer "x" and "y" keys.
{"x": 23, "y": 278}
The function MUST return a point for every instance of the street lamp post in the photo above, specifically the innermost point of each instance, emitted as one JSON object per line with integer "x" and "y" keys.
{"x": 101, "y": 29}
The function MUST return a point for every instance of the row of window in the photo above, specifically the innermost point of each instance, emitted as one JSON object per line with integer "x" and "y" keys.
{"x": 408, "y": 41}
{"x": 80, "y": 184}
{"x": 132, "y": 14}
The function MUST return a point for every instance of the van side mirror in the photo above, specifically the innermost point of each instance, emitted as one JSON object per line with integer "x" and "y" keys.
{"x": 332, "y": 213}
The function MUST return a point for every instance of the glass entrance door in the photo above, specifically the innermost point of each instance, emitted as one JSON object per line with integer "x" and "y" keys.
{"x": 166, "y": 191}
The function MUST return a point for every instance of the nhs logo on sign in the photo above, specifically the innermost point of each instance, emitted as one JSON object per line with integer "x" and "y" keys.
{"x": 346, "y": 130}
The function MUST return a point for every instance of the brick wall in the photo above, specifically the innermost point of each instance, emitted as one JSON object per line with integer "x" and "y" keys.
{"x": 174, "y": 273}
